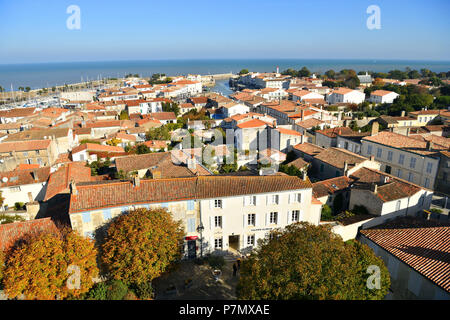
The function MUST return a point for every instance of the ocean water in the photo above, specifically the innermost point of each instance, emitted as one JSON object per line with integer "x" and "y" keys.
{"x": 39, "y": 75}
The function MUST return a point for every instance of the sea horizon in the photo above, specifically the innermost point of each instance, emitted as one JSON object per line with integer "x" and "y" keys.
{"x": 47, "y": 74}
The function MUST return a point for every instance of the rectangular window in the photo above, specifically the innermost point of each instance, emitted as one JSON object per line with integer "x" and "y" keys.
{"x": 251, "y": 240}
{"x": 369, "y": 149}
{"x": 401, "y": 159}
{"x": 412, "y": 164}
{"x": 299, "y": 197}
{"x": 295, "y": 215}
{"x": 273, "y": 218}
{"x": 190, "y": 205}
{"x": 427, "y": 183}
{"x": 251, "y": 219}
{"x": 14, "y": 189}
{"x": 379, "y": 152}
{"x": 390, "y": 154}
{"x": 218, "y": 221}
{"x": 399, "y": 173}
{"x": 429, "y": 167}
{"x": 397, "y": 205}
{"x": 217, "y": 203}
{"x": 274, "y": 199}
{"x": 191, "y": 225}
{"x": 218, "y": 243}
{"x": 410, "y": 177}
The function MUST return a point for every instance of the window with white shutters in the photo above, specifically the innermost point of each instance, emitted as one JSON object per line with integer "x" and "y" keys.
{"x": 251, "y": 219}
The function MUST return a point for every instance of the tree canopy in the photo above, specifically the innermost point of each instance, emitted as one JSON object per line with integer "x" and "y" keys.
{"x": 43, "y": 266}
{"x": 140, "y": 245}
{"x": 304, "y": 261}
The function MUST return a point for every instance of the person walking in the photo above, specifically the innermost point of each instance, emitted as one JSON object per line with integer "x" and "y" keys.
{"x": 238, "y": 264}
{"x": 234, "y": 269}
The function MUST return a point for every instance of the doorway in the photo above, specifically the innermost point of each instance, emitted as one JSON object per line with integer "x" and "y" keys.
{"x": 192, "y": 249}
{"x": 233, "y": 242}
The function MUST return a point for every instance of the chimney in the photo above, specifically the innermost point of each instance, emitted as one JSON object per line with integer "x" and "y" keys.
{"x": 403, "y": 113}
{"x": 375, "y": 127}
{"x": 372, "y": 158}
{"x": 407, "y": 131}
{"x": 375, "y": 188}
{"x": 191, "y": 162}
{"x": 302, "y": 114}
{"x": 345, "y": 168}
{"x": 136, "y": 180}
{"x": 73, "y": 187}
{"x": 304, "y": 176}
{"x": 429, "y": 145}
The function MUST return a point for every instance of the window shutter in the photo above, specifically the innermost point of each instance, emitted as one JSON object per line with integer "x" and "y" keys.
{"x": 224, "y": 203}
{"x": 267, "y": 200}
{"x": 245, "y": 220}
{"x": 223, "y": 222}
{"x": 267, "y": 218}
{"x": 290, "y": 198}
{"x": 211, "y": 222}
{"x": 257, "y": 200}
{"x": 299, "y": 197}
{"x": 211, "y": 204}
{"x": 289, "y": 217}
{"x": 245, "y": 201}
{"x": 256, "y": 220}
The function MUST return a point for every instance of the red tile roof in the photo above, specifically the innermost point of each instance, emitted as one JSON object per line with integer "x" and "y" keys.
{"x": 330, "y": 186}
{"x": 93, "y": 196}
{"x": 254, "y": 123}
{"x": 334, "y": 132}
{"x": 24, "y": 145}
{"x": 11, "y": 233}
{"x": 97, "y": 148}
{"x": 426, "y": 250}
{"x": 26, "y": 176}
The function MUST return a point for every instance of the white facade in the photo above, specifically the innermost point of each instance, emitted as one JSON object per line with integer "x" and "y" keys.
{"x": 386, "y": 98}
{"x": 353, "y": 96}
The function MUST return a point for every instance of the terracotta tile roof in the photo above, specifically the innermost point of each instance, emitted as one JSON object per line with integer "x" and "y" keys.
{"x": 199, "y": 100}
{"x": 309, "y": 148}
{"x": 403, "y": 142}
{"x": 389, "y": 188}
{"x": 308, "y": 123}
{"x": 381, "y": 92}
{"x": 11, "y": 233}
{"x": 426, "y": 250}
{"x": 163, "y": 115}
{"x": 330, "y": 186}
{"x": 60, "y": 179}
{"x": 100, "y": 195}
{"x": 24, "y": 145}
{"x": 298, "y": 163}
{"x": 25, "y": 166}
{"x": 17, "y": 113}
{"x": 97, "y": 147}
{"x": 24, "y": 176}
{"x": 342, "y": 91}
{"x": 156, "y": 144}
{"x": 288, "y": 131}
{"x": 38, "y": 134}
{"x": 337, "y": 156}
{"x": 334, "y": 132}
{"x": 254, "y": 123}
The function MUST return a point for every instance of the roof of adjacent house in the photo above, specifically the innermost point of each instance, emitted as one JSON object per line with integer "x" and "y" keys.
{"x": 38, "y": 134}
{"x": 254, "y": 123}
{"x": 163, "y": 115}
{"x": 400, "y": 141}
{"x": 97, "y": 147}
{"x": 381, "y": 92}
{"x": 309, "y": 148}
{"x": 389, "y": 187}
{"x": 308, "y": 123}
{"x": 24, "y": 145}
{"x": 334, "y": 132}
{"x": 17, "y": 112}
{"x": 342, "y": 91}
{"x": 288, "y": 131}
{"x": 330, "y": 186}
{"x": 11, "y": 233}
{"x": 60, "y": 179}
{"x": 425, "y": 249}
{"x": 336, "y": 157}
{"x": 113, "y": 194}
{"x": 298, "y": 163}
{"x": 24, "y": 176}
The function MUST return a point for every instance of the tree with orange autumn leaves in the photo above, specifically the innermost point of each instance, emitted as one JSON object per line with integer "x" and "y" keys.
{"x": 304, "y": 261}
{"x": 38, "y": 268}
{"x": 141, "y": 244}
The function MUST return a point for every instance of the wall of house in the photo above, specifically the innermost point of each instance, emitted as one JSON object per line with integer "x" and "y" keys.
{"x": 234, "y": 216}
{"x": 20, "y": 193}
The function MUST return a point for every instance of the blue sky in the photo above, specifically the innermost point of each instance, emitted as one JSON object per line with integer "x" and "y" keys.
{"x": 35, "y": 31}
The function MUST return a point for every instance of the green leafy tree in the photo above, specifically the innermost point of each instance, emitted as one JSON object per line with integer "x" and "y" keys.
{"x": 124, "y": 115}
{"x": 304, "y": 261}
{"x": 141, "y": 244}
{"x": 243, "y": 71}
{"x": 304, "y": 72}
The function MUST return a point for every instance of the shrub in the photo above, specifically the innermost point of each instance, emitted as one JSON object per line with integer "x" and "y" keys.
{"x": 216, "y": 262}
{"x": 98, "y": 291}
{"x": 326, "y": 213}
{"x": 144, "y": 290}
{"x": 436, "y": 210}
{"x": 116, "y": 290}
